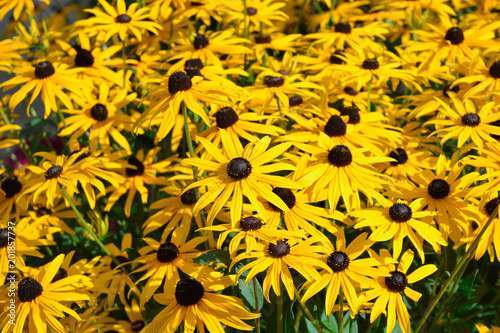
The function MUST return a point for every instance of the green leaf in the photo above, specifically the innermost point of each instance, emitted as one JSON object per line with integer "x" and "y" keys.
{"x": 247, "y": 292}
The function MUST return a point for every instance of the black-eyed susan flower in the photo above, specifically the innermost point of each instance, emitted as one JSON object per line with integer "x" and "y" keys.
{"x": 277, "y": 257}
{"x": 11, "y": 200}
{"x": 347, "y": 271}
{"x": 54, "y": 172}
{"x": 239, "y": 172}
{"x": 162, "y": 262}
{"x": 119, "y": 21}
{"x": 466, "y": 120}
{"x": 54, "y": 216}
{"x": 26, "y": 237}
{"x": 135, "y": 321}
{"x": 175, "y": 213}
{"x": 40, "y": 299}
{"x": 389, "y": 289}
{"x": 18, "y": 6}
{"x": 443, "y": 193}
{"x": 344, "y": 173}
{"x": 195, "y": 303}
{"x": 49, "y": 79}
{"x": 257, "y": 12}
{"x": 272, "y": 39}
{"x": 399, "y": 220}
{"x": 167, "y": 97}
{"x": 99, "y": 113}
{"x": 207, "y": 47}
{"x": 482, "y": 78}
{"x": 141, "y": 171}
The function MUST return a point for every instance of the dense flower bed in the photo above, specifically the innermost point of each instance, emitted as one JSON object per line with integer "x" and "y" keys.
{"x": 260, "y": 165}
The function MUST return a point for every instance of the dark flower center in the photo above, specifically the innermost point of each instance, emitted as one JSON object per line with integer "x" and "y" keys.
{"x": 295, "y": 100}
{"x": 11, "y": 187}
{"x": 399, "y": 155}
{"x": 446, "y": 88}
{"x": 263, "y": 39}
{"x": 474, "y": 225}
{"x": 179, "y": 81}
{"x": 4, "y": 237}
{"x": 226, "y": 117}
{"x": 134, "y": 56}
{"x": 53, "y": 172}
{"x": 353, "y": 113}
{"x": 350, "y": 91}
{"x": 167, "y": 252}
{"x": 123, "y": 18}
{"x": 194, "y": 63}
{"x": 471, "y": 119}
{"x": 192, "y": 72}
{"x": 29, "y": 289}
{"x": 44, "y": 70}
{"x": 189, "y": 197}
{"x": 121, "y": 260}
{"x": 80, "y": 157}
{"x": 371, "y": 64}
{"x": 83, "y": 58}
{"x": 335, "y": 127}
{"x": 334, "y": 59}
{"x": 286, "y": 195}
{"x": 99, "y": 112}
{"x": 251, "y": 11}
{"x": 454, "y": 35}
{"x": 397, "y": 282}
{"x": 239, "y": 168}
{"x": 438, "y": 189}
{"x": 400, "y": 212}
{"x": 338, "y": 261}
{"x": 61, "y": 274}
{"x": 250, "y": 223}
{"x": 200, "y": 41}
{"x": 274, "y": 81}
{"x": 188, "y": 292}
{"x": 137, "y": 326}
{"x": 343, "y": 27}
{"x": 340, "y": 156}
{"x": 495, "y": 70}
{"x": 196, "y": 4}
{"x": 491, "y": 206}
{"x": 278, "y": 250}
{"x": 138, "y": 164}
{"x": 42, "y": 211}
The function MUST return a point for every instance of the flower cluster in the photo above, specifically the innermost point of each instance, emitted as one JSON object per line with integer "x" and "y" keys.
{"x": 172, "y": 165}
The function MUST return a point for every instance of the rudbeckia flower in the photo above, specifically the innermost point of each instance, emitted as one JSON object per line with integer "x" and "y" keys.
{"x": 195, "y": 303}
{"x": 38, "y": 296}
{"x": 490, "y": 160}
{"x": 490, "y": 240}
{"x": 273, "y": 40}
{"x": 11, "y": 200}
{"x": 277, "y": 257}
{"x": 27, "y": 238}
{"x": 176, "y": 213}
{"x": 466, "y": 120}
{"x": 452, "y": 42}
{"x": 442, "y": 193}
{"x": 44, "y": 216}
{"x": 345, "y": 173}
{"x": 207, "y": 47}
{"x": 162, "y": 262}
{"x": 389, "y": 289}
{"x": 240, "y": 172}
{"x": 397, "y": 221}
{"x": 101, "y": 114}
{"x": 52, "y": 174}
{"x": 142, "y": 171}
{"x": 118, "y": 21}
{"x": 347, "y": 272}
{"x": 482, "y": 79}
{"x": 257, "y": 12}
{"x": 135, "y": 321}
{"x": 166, "y": 100}
{"x": 48, "y": 78}
{"x": 18, "y": 6}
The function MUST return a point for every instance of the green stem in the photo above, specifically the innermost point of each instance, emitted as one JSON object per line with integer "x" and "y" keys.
{"x": 372, "y": 325}
{"x": 279, "y": 316}
{"x": 301, "y": 15}
{"x": 256, "y": 295}
{"x": 341, "y": 311}
{"x": 306, "y": 311}
{"x": 463, "y": 261}
{"x": 368, "y": 99}
{"x": 84, "y": 225}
